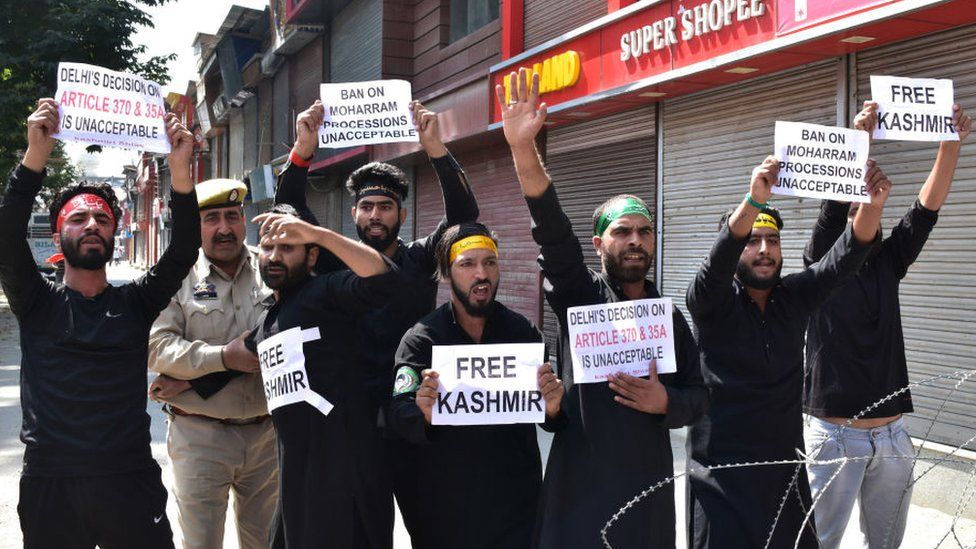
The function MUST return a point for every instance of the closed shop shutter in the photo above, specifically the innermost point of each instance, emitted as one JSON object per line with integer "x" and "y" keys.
{"x": 264, "y": 122}
{"x": 547, "y": 19}
{"x": 281, "y": 119}
{"x": 492, "y": 175}
{"x": 251, "y": 134}
{"x": 938, "y": 297}
{"x": 356, "y": 42}
{"x": 307, "y": 74}
{"x": 712, "y": 141}
{"x": 594, "y": 160}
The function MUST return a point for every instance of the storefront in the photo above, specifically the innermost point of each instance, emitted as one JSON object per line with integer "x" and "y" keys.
{"x": 676, "y": 102}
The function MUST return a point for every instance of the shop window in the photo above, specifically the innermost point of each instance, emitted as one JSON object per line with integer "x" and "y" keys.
{"x": 468, "y": 16}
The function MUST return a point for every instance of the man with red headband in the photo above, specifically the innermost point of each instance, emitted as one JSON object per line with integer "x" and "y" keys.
{"x": 89, "y": 477}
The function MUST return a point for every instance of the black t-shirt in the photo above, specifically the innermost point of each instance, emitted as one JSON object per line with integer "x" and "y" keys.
{"x": 83, "y": 368}
{"x": 855, "y": 344}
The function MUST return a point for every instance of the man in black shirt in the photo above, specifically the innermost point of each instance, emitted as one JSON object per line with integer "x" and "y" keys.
{"x": 481, "y": 482}
{"x": 89, "y": 477}
{"x": 380, "y": 191}
{"x": 326, "y": 498}
{"x": 750, "y": 323}
{"x": 616, "y": 440}
{"x": 856, "y": 358}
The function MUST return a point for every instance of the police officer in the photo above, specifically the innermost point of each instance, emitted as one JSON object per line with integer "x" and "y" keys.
{"x": 220, "y": 436}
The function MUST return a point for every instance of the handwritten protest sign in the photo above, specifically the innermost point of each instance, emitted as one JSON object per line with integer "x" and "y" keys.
{"x": 110, "y": 108}
{"x": 488, "y": 384}
{"x": 366, "y": 113}
{"x": 282, "y": 360}
{"x": 621, "y": 337}
{"x": 913, "y": 109}
{"x": 821, "y": 161}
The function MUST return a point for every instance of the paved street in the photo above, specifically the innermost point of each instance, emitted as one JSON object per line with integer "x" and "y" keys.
{"x": 927, "y": 527}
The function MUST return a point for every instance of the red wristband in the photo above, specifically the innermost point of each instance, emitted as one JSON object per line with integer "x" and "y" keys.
{"x": 297, "y": 159}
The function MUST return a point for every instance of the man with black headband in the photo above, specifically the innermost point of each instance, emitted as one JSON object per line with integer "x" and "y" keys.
{"x": 89, "y": 477}
{"x": 750, "y": 323}
{"x": 481, "y": 482}
{"x": 380, "y": 190}
{"x": 856, "y": 358}
{"x": 616, "y": 440}
{"x": 313, "y": 378}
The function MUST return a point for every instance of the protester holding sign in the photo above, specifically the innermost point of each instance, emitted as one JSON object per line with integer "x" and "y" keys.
{"x": 380, "y": 191}
{"x": 616, "y": 439}
{"x": 856, "y": 357}
{"x": 750, "y": 323}
{"x": 89, "y": 476}
{"x": 481, "y": 482}
{"x": 313, "y": 384}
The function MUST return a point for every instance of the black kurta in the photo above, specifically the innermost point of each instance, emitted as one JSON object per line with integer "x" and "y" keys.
{"x": 329, "y": 496}
{"x": 381, "y": 328}
{"x": 480, "y": 482}
{"x": 605, "y": 454}
{"x": 855, "y": 344}
{"x": 753, "y": 366}
{"x": 83, "y": 371}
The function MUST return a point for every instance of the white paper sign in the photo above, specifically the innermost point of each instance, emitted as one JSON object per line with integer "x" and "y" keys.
{"x": 621, "y": 337}
{"x": 366, "y": 113}
{"x": 488, "y": 384}
{"x": 821, "y": 161}
{"x": 110, "y": 108}
{"x": 913, "y": 109}
{"x": 282, "y": 359}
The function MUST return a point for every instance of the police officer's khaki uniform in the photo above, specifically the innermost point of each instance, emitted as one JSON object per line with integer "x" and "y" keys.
{"x": 227, "y": 440}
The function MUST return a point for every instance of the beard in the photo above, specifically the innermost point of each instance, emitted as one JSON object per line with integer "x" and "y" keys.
{"x": 379, "y": 243}
{"x": 479, "y": 310}
{"x": 278, "y": 276}
{"x": 91, "y": 260}
{"x": 748, "y": 277}
{"x": 614, "y": 266}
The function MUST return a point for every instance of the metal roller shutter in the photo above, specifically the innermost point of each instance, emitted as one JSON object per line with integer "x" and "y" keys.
{"x": 594, "y": 160}
{"x": 712, "y": 141}
{"x": 938, "y": 297}
{"x": 235, "y": 157}
{"x": 547, "y": 19}
{"x": 356, "y": 42}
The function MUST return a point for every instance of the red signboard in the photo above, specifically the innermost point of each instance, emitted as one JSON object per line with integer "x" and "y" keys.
{"x": 793, "y": 15}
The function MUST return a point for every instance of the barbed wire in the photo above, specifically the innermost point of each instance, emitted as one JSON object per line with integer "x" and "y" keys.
{"x": 805, "y": 460}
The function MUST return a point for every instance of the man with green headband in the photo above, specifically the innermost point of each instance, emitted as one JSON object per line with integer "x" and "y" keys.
{"x": 615, "y": 440}
{"x": 750, "y": 323}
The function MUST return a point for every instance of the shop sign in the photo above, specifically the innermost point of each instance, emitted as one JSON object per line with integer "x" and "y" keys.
{"x": 555, "y": 73}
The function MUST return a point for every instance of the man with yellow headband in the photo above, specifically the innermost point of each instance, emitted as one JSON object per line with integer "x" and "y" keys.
{"x": 89, "y": 477}
{"x": 750, "y": 323}
{"x": 616, "y": 439}
{"x": 481, "y": 483}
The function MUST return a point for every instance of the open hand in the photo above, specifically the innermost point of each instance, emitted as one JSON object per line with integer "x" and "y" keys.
{"x": 644, "y": 395}
{"x": 284, "y": 229}
{"x": 521, "y": 119}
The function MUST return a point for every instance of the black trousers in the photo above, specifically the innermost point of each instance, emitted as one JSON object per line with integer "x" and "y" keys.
{"x": 113, "y": 512}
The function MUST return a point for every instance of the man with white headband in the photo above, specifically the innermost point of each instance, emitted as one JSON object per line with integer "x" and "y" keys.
{"x": 89, "y": 477}
{"x": 750, "y": 323}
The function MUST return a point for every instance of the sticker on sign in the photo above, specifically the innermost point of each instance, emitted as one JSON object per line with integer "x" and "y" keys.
{"x": 824, "y": 162}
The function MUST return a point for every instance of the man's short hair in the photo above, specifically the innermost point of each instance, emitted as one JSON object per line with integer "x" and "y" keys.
{"x": 602, "y": 208}
{"x": 101, "y": 190}
{"x": 769, "y": 210}
{"x": 454, "y": 234}
{"x": 381, "y": 173}
{"x": 288, "y": 209}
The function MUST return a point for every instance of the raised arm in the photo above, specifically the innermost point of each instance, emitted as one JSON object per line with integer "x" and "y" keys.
{"x": 290, "y": 230}
{"x": 157, "y": 286}
{"x": 293, "y": 180}
{"x": 21, "y": 281}
{"x": 908, "y": 237}
{"x": 567, "y": 280}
